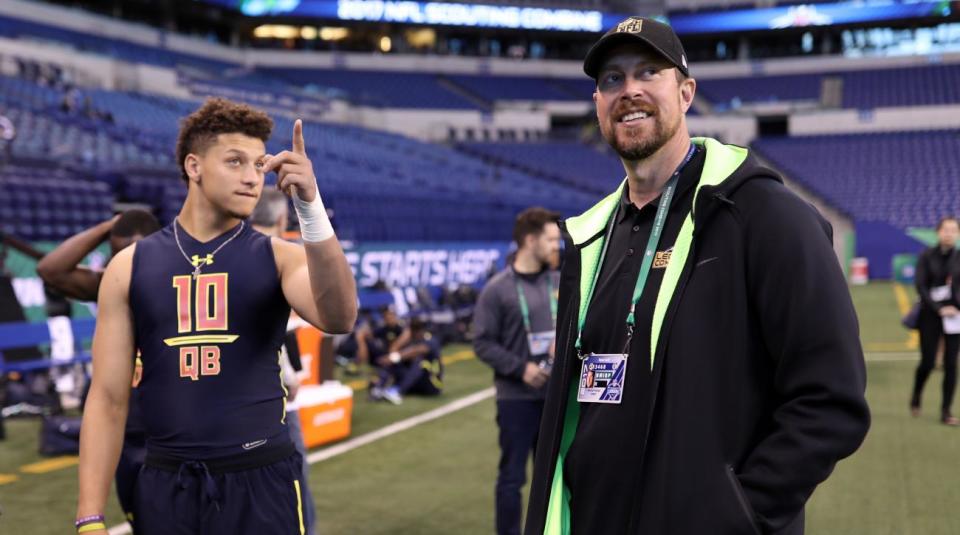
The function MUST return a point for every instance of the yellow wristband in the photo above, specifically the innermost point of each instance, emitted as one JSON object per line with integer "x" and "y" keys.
{"x": 91, "y": 527}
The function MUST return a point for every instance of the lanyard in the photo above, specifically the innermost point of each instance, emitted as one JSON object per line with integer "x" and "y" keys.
{"x": 653, "y": 241}
{"x": 525, "y": 310}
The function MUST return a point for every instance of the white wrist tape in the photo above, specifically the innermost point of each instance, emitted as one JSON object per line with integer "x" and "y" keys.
{"x": 314, "y": 224}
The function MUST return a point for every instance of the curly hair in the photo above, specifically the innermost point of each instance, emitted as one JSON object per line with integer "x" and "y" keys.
{"x": 218, "y": 116}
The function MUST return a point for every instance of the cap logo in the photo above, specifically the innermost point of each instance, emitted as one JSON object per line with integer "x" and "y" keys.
{"x": 630, "y": 26}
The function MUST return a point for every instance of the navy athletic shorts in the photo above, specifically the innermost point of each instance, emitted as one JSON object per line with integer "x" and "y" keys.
{"x": 258, "y": 493}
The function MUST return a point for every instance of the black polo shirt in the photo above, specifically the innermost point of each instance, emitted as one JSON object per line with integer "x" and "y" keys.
{"x": 602, "y": 466}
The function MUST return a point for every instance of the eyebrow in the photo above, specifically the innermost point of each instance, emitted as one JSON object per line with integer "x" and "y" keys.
{"x": 244, "y": 154}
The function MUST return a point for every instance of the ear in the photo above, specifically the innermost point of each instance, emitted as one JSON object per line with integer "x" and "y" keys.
{"x": 530, "y": 241}
{"x": 596, "y": 107}
{"x": 191, "y": 164}
{"x": 688, "y": 88}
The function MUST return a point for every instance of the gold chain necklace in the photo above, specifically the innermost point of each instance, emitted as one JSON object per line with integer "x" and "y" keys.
{"x": 198, "y": 262}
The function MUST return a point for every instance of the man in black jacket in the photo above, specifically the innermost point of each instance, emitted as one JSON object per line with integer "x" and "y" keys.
{"x": 721, "y": 290}
{"x": 937, "y": 278}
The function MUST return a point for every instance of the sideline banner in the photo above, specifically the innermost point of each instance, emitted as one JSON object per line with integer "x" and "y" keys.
{"x": 433, "y": 264}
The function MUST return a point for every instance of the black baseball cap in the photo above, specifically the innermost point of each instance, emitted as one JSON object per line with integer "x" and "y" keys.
{"x": 650, "y": 32}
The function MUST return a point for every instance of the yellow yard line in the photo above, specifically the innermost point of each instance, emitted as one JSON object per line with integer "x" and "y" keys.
{"x": 886, "y": 347}
{"x": 913, "y": 340}
{"x": 357, "y": 384}
{"x": 903, "y": 301}
{"x": 8, "y": 478}
{"x": 904, "y": 304}
{"x": 459, "y": 356}
{"x": 50, "y": 465}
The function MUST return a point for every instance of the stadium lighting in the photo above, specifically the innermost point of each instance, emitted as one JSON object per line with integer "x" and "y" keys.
{"x": 434, "y": 13}
{"x": 423, "y": 37}
{"x": 276, "y": 31}
{"x": 329, "y": 33}
{"x": 385, "y": 44}
{"x": 477, "y": 15}
{"x": 309, "y": 33}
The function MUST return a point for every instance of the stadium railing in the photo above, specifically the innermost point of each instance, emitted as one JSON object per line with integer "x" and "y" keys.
{"x": 33, "y": 334}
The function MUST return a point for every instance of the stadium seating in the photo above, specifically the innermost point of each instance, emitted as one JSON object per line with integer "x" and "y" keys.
{"x": 386, "y": 186}
{"x": 903, "y": 179}
{"x": 120, "y": 49}
{"x": 565, "y": 162}
{"x": 493, "y": 88}
{"x": 915, "y": 86}
{"x": 759, "y": 89}
{"x": 862, "y": 89}
{"x": 382, "y": 186}
{"x": 51, "y": 205}
{"x": 377, "y": 88}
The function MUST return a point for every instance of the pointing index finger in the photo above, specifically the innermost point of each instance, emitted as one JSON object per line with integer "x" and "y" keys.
{"x": 298, "y": 145}
{"x": 268, "y": 163}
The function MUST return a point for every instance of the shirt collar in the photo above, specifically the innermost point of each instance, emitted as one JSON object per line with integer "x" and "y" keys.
{"x": 688, "y": 178}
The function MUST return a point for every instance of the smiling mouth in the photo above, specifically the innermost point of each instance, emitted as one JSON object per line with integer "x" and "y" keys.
{"x": 634, "y": 117}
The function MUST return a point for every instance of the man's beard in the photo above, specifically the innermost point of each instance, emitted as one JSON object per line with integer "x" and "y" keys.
{"x": 546, "y": 260}
{"x": 635, "y": 149}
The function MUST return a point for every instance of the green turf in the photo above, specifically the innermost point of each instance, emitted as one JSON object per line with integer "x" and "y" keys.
{"x": 904, "y": 480}
{"x": 438, "y": 478}
{"x": 879, "y": 315}
{"x": 44, "y": 503}
{"x": 462, "y": 378}
{"x": 434, "y": 479}
{"x": 37, "y": 503}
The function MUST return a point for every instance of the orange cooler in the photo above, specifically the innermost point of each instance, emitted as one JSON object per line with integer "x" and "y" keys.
{"x": 325, "y": 410}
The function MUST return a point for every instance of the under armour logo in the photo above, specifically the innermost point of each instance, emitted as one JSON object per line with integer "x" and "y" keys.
{"x": 630, "y": 25}
{"x": 198, "y": 260}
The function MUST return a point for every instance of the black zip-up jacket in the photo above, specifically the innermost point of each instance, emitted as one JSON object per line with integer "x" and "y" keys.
{"x": 935, "y": 269}
{"x": 759, "y": 377}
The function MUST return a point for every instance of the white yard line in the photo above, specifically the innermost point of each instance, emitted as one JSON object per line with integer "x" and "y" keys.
{"x": 397, "y": 427}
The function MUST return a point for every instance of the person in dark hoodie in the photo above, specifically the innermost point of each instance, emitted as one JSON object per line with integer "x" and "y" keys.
{"x": 937, "y": 277}
{"x": 720, "y": 288}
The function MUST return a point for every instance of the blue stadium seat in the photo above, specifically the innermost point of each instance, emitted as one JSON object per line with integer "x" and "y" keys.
{"x": 904, "y": 179}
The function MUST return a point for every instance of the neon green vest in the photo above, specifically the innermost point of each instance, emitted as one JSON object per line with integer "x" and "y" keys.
{"x": 721, "y": 161}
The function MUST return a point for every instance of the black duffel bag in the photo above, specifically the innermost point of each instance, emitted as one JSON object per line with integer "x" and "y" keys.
{"x": 60, "y": 435}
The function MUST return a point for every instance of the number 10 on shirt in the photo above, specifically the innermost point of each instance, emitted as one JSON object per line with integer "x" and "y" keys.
{"x": 211, "y": 313}
{"x": 210, "y": 304}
